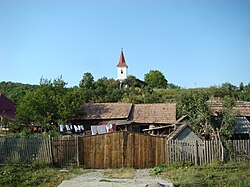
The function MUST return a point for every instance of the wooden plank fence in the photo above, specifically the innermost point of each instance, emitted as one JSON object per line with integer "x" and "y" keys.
{"x": 121, "y": 149}
{"x": 65, "y": 151}
{"x": 25, "y": 150}
{"x": 206, "y": 152}
{"x": 116, "y": 150}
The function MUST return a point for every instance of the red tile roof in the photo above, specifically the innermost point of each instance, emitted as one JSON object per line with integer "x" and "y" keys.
{"x": 138, "y": 113}
{"x": 241, "y": 106}
{"x": 106, "y": 110}
{"x": 155, "y": 113}
{"x": 122, "y": 62}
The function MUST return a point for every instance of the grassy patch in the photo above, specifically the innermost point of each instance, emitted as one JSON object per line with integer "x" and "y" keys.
{"x": 216, "y": 174}
{"x": 119, "y": 173}
{"x": 35, "y": 175}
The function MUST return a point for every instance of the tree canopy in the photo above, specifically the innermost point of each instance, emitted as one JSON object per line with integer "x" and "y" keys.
{"x": 155, "y": 79}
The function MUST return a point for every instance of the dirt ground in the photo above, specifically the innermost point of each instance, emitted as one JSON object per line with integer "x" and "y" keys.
{"x": 141, "y": 178}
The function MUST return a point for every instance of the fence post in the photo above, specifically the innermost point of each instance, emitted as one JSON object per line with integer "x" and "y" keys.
{"x": 77, "y": 151}
{"x": 196, "y": 153}
{"x": 50, "y": 150}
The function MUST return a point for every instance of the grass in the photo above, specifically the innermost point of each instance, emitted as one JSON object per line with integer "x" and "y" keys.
{"x": 216, "y": 174}
{"x": 35, "y": 175}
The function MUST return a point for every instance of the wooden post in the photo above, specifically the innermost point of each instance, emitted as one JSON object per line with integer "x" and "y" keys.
{"x": 50, "y": 150}
{"x": 196, "y": 153}
{"x": 77, "y": 151}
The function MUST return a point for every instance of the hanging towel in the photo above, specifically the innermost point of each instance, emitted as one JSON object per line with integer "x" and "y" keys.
{"x": 93, "y": 130}
{"x": 68, "y": 128}
{"x": 101, "y": 129}
{"x": 61, "y": 127}
{"x": 76, "y": 128}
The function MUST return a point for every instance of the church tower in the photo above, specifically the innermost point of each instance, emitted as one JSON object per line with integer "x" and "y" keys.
{"x": 122, "y": 68}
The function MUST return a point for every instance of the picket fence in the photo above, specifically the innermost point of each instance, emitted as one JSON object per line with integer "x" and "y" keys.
{"x": 206, "y": 152}
{"x": 116, "y": 150}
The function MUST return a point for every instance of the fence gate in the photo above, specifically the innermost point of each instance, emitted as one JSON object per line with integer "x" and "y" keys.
{"x": 65, "y": 151}
{"x": 121, "y": 149}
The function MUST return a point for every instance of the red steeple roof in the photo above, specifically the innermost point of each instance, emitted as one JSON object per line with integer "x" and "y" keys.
{"x": 122, "y": 62}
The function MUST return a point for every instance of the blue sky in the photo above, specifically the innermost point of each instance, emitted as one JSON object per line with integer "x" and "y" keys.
{"x": 194, "y": 43}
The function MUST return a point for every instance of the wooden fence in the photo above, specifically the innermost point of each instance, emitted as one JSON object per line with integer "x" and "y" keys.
{"x": 116, "y": 150}
{"x": 121, "y": 149}
{"x": 28, "y": 150}
{"x": 207, "y": 151}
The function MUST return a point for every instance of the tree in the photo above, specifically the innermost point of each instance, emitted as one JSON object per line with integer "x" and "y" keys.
{"x": 132, "y": 81}
{"x": 245, "y": 93}
{"x": 222, "y": 122}
{"x": 194, "y": 104}
{"x": 107, "y": 90}
{"x": 51, "y": 103}
{"x": 241, "y": 86}
{"x": 156, "y": 79}
{"x": 87, "y": 81}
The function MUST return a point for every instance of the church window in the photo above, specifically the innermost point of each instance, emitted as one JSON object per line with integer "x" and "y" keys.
{"x": 121, "y": 72}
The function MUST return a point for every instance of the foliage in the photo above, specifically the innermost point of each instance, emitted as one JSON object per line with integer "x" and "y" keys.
{"x": 132, "y": 81}
{"x": 155, "y": 79}
{"x": 194, "y": 104}
{"x": 245, "y": 93}
{"x": 215, "y": 174}
{"x": 51, "y": 103}
{"x": 87, "y": 81}
{"x": 107, "y": 90}
{"x": 15, "y": 91}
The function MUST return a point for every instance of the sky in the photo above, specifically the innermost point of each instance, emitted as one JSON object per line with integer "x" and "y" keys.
{"x": 194, "y": 43}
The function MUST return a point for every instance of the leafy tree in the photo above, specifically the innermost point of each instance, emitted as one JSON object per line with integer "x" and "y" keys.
{"x": 132, "y": 81}
{"x": 241, "y": 86}
{"x": 194, "y": 104}
{"x": 51, "y": 103}
{"x": 87, "y": 81}
{"x": 107, "y": 90}
{"x": 156, "y": 79}
{"x": 245, "y": 93}
{"x": 222, "y": 123}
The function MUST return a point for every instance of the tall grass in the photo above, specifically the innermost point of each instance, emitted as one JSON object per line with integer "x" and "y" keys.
{"x": 215, "y": 174}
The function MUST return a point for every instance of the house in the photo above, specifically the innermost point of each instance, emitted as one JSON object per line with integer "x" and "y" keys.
{"x": 148, "y": 116}
{"x": 185, "y": 133}
{"x": 241, "y": 106}
{"x": 241, "y": 128}
{"x": 126, "y": 116}
{"x": 7, "y": 110}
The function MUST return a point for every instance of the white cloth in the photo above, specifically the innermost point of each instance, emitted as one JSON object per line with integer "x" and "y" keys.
{"x": 61, "y": 127}
{"x": 67, "y": 127}
{"x": 93, "y": 130}
{"x": 101, "y": 129}
{"x": 76, "y": 128}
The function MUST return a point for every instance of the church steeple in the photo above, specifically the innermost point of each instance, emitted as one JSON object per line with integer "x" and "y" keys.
{"x": 122, "y": 68}
{"x": 122, "y": 62}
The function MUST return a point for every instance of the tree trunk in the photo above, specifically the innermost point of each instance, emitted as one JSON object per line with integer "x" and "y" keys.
{"x": 221, "y": 145}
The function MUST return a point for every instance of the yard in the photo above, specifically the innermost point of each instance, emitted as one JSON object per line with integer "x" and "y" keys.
{"x": 215, "y": 174}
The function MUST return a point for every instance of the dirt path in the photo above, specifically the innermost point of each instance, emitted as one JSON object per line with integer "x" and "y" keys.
{"x": 95, "y": 178}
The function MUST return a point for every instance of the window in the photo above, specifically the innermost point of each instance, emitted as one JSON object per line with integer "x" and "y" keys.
{"x": 121, "y": 72}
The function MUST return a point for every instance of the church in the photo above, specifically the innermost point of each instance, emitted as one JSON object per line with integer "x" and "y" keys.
{"x": 122, "y": 68}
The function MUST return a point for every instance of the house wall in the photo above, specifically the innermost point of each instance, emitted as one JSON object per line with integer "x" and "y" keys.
{"x": 188, "y": 135}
